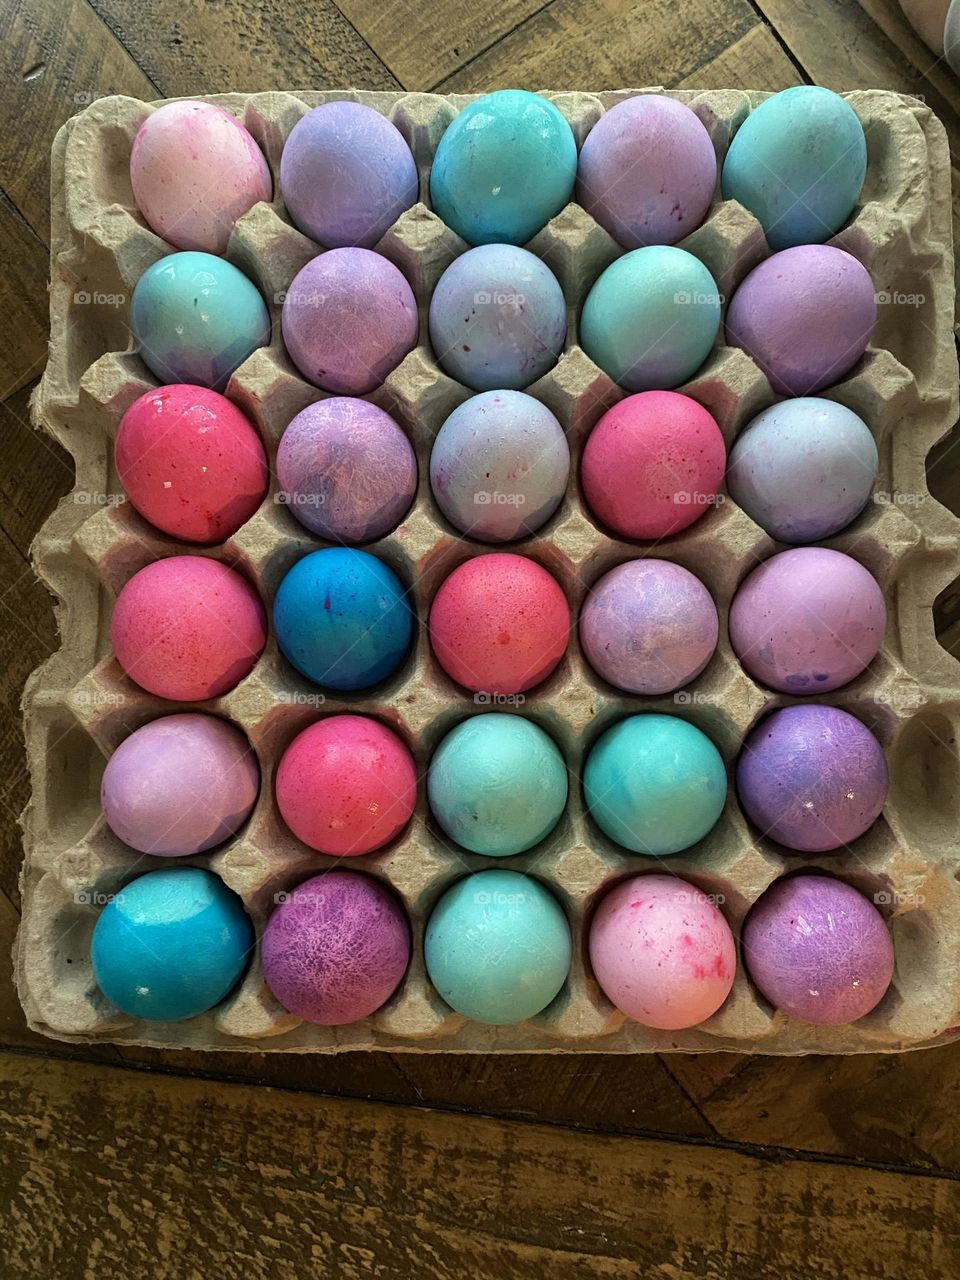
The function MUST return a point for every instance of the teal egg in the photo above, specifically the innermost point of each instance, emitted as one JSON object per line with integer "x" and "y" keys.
{"x": 497, "y": 947}
{"x": 798, "y": 163}
{"x": 656, "y": 784}
{"x": 651, "y": 319}
{"x": 497, "y": 784}
{"x": 504, "y": 167}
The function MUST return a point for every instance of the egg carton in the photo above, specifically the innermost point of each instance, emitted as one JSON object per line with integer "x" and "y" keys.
{"x": 79, "y": 705}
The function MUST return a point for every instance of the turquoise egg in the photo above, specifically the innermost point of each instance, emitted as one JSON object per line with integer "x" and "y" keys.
{"x": 196, "y": 318}
{"x": 497, "y": 947}
{"x": 171, "y": 944}
{"x": 798, "y": 163}
{"x": 651, "y": 319}
{"x": 656, "y": 784}
{"x": 504, "y": 167}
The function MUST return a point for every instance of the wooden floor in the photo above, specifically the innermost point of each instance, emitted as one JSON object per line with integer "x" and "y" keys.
{"x": 144, "y": 1163}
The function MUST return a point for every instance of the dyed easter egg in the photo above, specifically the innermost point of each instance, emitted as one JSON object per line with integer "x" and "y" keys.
{"x": 196, "y": 318}
{"x": 171, "y": 944}
{"x": 346, "y": 470}
{"x": 188, "y": 628}
{"x": 497, "y": 318}
{"x": 497, "y": 947}
{"x": 812, "y": 777}
{"x": 195, "y": 170}
{"x": 499, "y": 466}
{"x": 662, "y": 952}
{"x": 655, "y": 784}
{"x": 342, "y": 618}
{"x": 180, "y": 785}
{"x": 346, "y": 174}
{"x": 803, "y": 469}
{"x": 191, "y": 463}
{"x": 818, "y": 950}
{"x": 805, "y": 316}
{"x": 651, "y": 319}
{"x": 336, "y": 948}
{"x": 346, "y": 785}
{"x": 807, "y": 620}
{"x": 349, "y": 318}
{"x": 504, "y": 167}
{"x": 652, "y": 465}
{"x": 649, "y": 626}
{"x": 797, "y": 163}
{"x": 499, "y": 624}
{"x": 647, "y": 171}
{"x": 497, "y": 784}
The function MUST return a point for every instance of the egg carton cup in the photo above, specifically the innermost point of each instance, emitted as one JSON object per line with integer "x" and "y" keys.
{"x": 79, "y": 705}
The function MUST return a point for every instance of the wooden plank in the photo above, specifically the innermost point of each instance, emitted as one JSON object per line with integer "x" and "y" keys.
{"x": 23, "y": 300}
{"x": 756, "y": 61}
{"x": 37, "y": 472}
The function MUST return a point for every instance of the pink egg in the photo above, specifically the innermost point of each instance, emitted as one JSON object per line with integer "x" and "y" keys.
{"x": 195, "y": 170}
{"x": 188, "y": 628}
{"x": 191, "y": 463}
{"x": 346, "y": 785}
{"x": 662, "y": 952}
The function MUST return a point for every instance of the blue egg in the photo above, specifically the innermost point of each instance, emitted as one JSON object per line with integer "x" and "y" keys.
{"x": 342, "y": 618}
{"x": 497, "y": 947}
{"x": 652, "y": 318}
{"x": 656, "y": 784}
{"x": 798, "y": 163}
{"x": 497, "y": 784}
{"x": 196, "y": 318}
{"x": 504, "y": 167}
{"x": 171, "y": 944}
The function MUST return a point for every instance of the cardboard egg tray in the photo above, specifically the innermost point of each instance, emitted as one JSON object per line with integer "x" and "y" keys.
{"x": 79, "y": 705}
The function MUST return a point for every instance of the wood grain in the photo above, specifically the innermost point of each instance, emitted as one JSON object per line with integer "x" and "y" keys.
{"x": 23, "y": 300}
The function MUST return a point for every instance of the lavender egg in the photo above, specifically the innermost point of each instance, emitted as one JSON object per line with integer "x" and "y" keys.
{"x": 346, "y": 470}
{"x": 649, "y": 626}
{"x": 499, "y": 466}
{"x": 813, "y": 778}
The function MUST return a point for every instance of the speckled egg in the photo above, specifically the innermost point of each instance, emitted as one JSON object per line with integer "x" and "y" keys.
{"x": 346, "y": 175}
{"x": 497, "y": 318}
{"x": 651, "y": 319}
{"x": 803, "y": 469}
{"x": 818, "y": 950}
{"x": 655, "y": 784}
{"x": 336, "y": 948}
{"x": 499, "y": 466}
{"x": 346, "y": 785}
{"x": 662, "y": 952}
{"x": 342, "y": 618}
{"x": 171, "y": 944}
{"x": 647, "y": 171}
{"x": 807, "y": 620}
{"x": 180, "y": 785}
{"x": 195, "y": 170}
{"x": 499, "y": 624}
{"x": 805, "y": 315}
{"x": 349, "y": 318}
{"x": 188, "y": 628}
{"x": 649, "y": 626}
{"x": 497, "y": 947}
{"x": 196, "y": 318}
{"x": 191, "y": 463}
{"x": 346, "y": 470}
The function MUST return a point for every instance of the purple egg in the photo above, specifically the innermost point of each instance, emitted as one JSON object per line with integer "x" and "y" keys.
{"x": 349, "y": 318}
{"x": 347, "y": 471}
{"x": 649, "y": 626}
{"x": 346, "y": 175}
{"x": 818, "y": 949}
{"x": 805, "y": 315}
{"x": 336, "y": 948}
{"x": 812, "y": 777}
{"x": 180, "y": 785}
{"x": 807, "y": 620}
